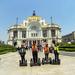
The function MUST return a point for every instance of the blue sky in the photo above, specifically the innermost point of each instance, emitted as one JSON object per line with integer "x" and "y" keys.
{"x": 63, "y": 12}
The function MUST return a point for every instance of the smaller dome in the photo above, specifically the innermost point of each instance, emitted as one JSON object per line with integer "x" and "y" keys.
{"x": 34, "y": 17}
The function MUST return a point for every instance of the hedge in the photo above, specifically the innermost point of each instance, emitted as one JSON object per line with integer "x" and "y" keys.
{"x": 67, "y": 47}
{"x": 6, "y": 48}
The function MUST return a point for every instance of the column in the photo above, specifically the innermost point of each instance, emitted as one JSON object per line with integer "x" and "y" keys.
{"x": 56, "y": 33}
{"x": 41, "y": 33}
{"x": 19, "y": 34}
{"x": 27, "y": 34}
{"x": 28, "y": 43}
{"x": 11, "y": 34}
{"x": 59, "y": 35}
{"x": 49, "y": 33}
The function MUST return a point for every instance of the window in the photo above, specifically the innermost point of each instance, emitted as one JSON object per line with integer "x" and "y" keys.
{"x": 53, "y": 33}
{"x": 36, "y": 34}
{"x": 23, "y": 34}
{"x": 44, "y": 33}
{"x": 33, "y": 27}
{"x": 33, "y": 34}
{"x": 15, "y": 34}
{"x": 44, "y": 40}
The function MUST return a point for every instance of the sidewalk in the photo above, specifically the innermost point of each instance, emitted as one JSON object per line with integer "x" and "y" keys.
{"x": 9, "y": 65}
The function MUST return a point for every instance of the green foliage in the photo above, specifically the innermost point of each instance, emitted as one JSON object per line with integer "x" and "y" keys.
{"x": 6, "y": 48}
{"x": 67, "y": 47}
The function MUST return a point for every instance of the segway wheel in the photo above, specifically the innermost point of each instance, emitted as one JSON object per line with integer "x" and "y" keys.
{"x": 39, "y": 62}
{"x": 31, "y": 62}
{"x": 26, "y": 63}
{"x": 43, "y": 61}
{"x": 30, "y": 65}
{"x": 19, "y": 62}
{"x": 50, "y": 60}
{"x": 53, "y": 61}
{"x": 59, "y": 62}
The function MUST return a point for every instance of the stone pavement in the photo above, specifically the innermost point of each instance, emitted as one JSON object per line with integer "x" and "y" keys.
{"x": 9, "y": 65}
{"x": 68, "y": 53}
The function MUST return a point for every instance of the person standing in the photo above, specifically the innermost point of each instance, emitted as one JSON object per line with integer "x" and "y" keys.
{"x": 56, "y": 52}
{"x": 46, "y": 51}
{"x": 34, "y": 52}
{"x": 22, "y": 53}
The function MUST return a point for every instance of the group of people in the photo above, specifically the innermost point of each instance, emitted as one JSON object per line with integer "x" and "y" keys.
{"x": 46, "y": 49}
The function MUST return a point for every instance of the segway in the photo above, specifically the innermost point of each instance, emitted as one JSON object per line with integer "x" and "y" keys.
{"x": 56, "y": 62}
{"x": 46, "y": 61}
{"x": 38, "y": 63}
{"x": 35, "y": 62}
{"x": 23, "y": 61}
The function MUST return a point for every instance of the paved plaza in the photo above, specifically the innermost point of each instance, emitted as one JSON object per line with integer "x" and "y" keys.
{"x": 9, "y": 65}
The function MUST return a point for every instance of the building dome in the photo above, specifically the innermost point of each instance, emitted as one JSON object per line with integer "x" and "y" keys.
{"x": 34, "y": 17}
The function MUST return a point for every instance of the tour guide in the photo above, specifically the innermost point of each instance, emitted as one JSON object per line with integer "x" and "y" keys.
{"x": 56, "y": 52}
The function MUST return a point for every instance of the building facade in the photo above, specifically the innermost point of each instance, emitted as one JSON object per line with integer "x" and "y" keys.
{"x": 69, "y": 37}
{"x": 34, "y": 28}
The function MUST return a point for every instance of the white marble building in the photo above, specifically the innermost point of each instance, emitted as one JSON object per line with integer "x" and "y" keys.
{"x": 34, "y": 28}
